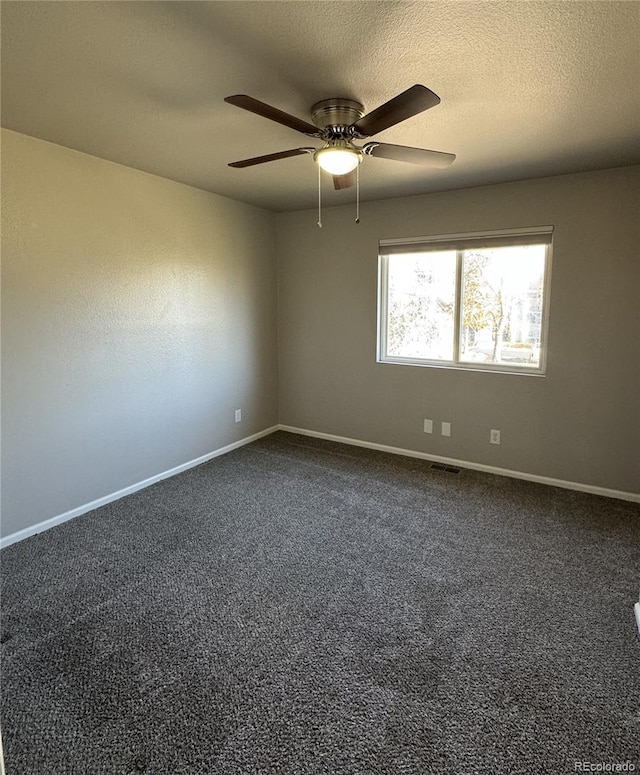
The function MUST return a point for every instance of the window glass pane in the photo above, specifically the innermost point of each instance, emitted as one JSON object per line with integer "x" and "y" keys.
{"x": 502, "y": 291}
{"x": 420, "y": 305}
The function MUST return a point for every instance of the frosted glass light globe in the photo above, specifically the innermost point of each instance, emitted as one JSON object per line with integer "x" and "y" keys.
{"x": 337, "y": 160}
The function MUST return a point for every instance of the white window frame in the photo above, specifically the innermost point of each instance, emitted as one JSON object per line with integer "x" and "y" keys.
{"x": 460, "y": 243}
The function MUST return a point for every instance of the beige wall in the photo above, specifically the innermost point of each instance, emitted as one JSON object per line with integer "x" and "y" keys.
{"x": 580, "y": 423}
{"x": 137, "y": 315}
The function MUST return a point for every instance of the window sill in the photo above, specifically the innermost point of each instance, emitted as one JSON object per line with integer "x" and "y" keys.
{"x": 484, "y": 368}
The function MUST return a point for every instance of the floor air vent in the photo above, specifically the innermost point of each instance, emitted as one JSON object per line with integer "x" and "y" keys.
{"x": 448, "y": 469}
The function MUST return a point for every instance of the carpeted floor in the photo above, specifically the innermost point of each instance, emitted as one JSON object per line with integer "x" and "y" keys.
{"x": 303, "y": 607}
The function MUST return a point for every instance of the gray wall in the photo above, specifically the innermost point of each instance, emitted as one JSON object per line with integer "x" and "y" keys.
{"x": 579, "y": 423}
{"x": 137, "y": 315}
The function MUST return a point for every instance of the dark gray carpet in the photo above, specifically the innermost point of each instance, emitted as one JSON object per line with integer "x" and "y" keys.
{"x": 300, "y": 607}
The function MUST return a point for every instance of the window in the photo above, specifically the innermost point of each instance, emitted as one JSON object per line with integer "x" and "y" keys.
{"x": 466, "y": 301}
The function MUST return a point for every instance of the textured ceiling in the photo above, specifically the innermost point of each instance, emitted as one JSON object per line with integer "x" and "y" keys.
{"x": 528, "y": 88}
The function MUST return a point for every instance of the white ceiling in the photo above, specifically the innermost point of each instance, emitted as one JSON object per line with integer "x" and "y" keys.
{"x": 528, "y": 88}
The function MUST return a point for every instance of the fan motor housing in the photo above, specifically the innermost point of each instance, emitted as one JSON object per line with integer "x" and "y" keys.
{"x": 337, "y": 112}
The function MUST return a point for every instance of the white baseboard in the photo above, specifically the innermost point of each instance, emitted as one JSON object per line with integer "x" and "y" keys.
{"x": 589, "y": 488}
{"x": 20, "y": 535}
{"x": 49, "y": 523}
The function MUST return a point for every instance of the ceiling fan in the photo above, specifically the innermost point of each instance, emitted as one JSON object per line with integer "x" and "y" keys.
{"x": 338, "y": 122}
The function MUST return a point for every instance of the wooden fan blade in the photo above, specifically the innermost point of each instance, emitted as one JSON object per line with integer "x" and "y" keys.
{"x": 421, "y": 156}
{"x": 341, "y": 182}
{"x": 271, "y": 157}
{"x": 273, "y": 114}
{"x": 409, "y": 103}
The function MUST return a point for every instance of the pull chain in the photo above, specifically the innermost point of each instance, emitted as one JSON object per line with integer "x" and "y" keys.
{"x": 319, "y": 198}
{"x": 358, "y": 194}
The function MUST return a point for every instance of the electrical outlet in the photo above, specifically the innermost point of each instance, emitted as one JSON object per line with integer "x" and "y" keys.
{"x": 238, "y": 415}
{"x": 428, "y": 426}
{"x": 494, "y": 437}
{"x": 445, "y": 429}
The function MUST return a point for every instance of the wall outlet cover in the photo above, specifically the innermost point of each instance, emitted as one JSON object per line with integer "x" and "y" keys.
{"x": 428, "y": 426}
{"x": 445, "y": 429}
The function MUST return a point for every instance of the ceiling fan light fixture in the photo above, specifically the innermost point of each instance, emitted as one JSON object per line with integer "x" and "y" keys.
{"x": 338, "y": 159}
